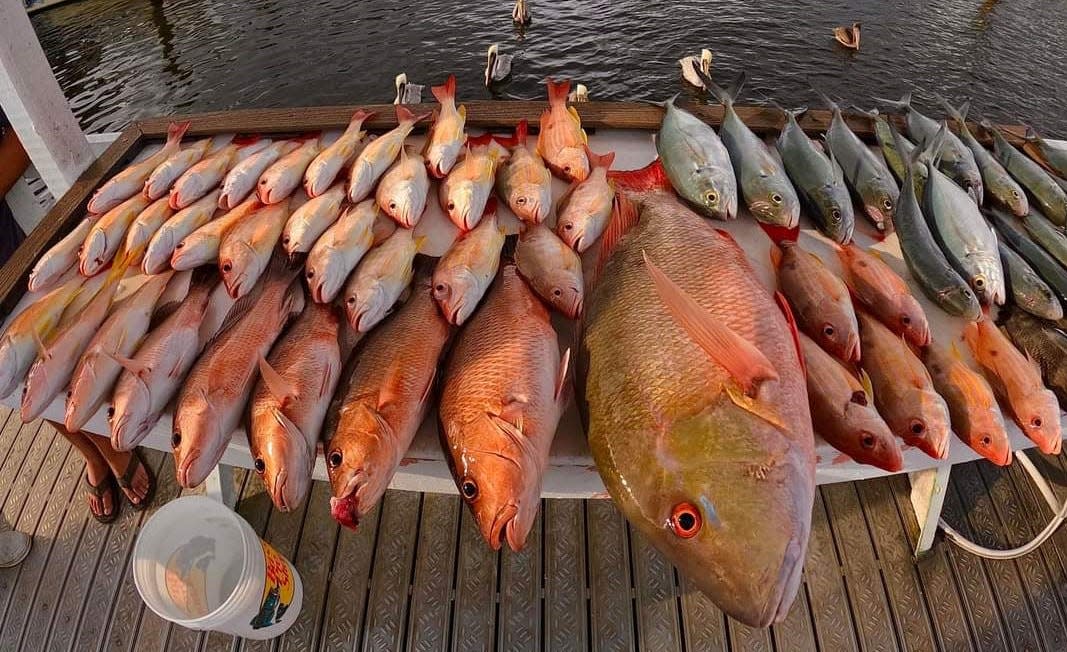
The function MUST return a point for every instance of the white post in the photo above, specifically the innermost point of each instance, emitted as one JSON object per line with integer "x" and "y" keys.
{"x": 927, "y": 497}
{"x": 35, "y": 106}
{"x": 219, "y": 485}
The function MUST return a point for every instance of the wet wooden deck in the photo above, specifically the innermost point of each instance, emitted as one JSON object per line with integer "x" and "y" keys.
{"x": 418, "y": 577}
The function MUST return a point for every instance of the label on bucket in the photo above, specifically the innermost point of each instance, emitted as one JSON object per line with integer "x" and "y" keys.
{"x": 278, "y": 589}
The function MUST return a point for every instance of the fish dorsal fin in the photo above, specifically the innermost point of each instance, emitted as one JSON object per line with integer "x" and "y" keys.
{"x": 741, "y": 359}
{"x": 835, "y": 167}
{"x": 624, "y": 216}
{"x": 561, "y": 376}
{"x": 238, "y": 310}
{"x": 791, "y": 321}
{"x": 280, "y": 388}
{"x": 462, "y": 111}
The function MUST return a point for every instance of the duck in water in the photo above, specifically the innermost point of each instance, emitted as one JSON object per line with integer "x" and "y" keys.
{"x": 497, "y": 66}
{"x": 407, "y": 93}
{"x": 848, "y": 36}
{"x": 521, "y": 13}
{"x": 692, "y": 63}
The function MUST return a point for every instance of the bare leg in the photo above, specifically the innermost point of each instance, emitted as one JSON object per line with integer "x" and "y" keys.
{"x": 119, "y": 461}
{"x": 97, "y": 471}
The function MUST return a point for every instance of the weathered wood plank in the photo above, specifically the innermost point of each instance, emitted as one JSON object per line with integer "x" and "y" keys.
{"x": 565, "y": 571}
{"x": 748, "y": 639}
{"x": 704, "y": 625}
{"x": 906, "y": 603}
{"x": 387, "y": 604}
{"x": 864, "y": 582}
{"x": 795, "y": 632}
{"x": 474, "y": 620}
{"x": 12, "y": 425}
{"x": 519, "y": 626}
{"x": 349, "y": 584}
{"x": 435, "y": 566}
{"x": 657, "y": 610}
{"x": 942, "y": 597}
{"x": 834, "y": 629}
{"x": 611, "y": 603}
{"x": 1050, "y": 468}
{"x": 21, "y": 465}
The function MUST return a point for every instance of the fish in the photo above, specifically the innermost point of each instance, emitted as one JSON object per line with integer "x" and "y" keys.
{"x": 166, "y": 173}
{"x": 996, "y": 181}
{"x": 246, "y": 247}
{"x": 553, "y": 270}
{"x": 969, "y": 243}
{"x": 524, "y": 182}
{"x": 1028, "y": 291}
{"x": 866, "y": 174}
{"x": 1017, "y": 380}
{"x": 338, "y": 250}
{"x": 818, "y": 299}
{"x": 177, "y": 227}
{"x": 388, "y": 394}
{"x": 154, "y": 374}
{"x": 1039, "y": 260}
{"x": 145, "y": 225}
{"x": 504, "y": 390}
{"x": 717, "y": 472}
{"x": 464, "y": 193}
{"x": 311, "y": 219}
{"x": 284, "y": 175}
{"x": 63, "y": 255}
{"x": 403, "y": 189}
{"x": 215, "y": 394}
{"x": 583, "y": 212}
{"x": 446, "y": 137}
{"x": 29, "y": 331}
{"x": 130, "y": 181}
{"x": 1052, "y": 157}
{"x": 972, "y": 406}
{"x": 903, "y": 390}
{"x": 697, "y": 163}
{"x": 955, "y": 159}
{"x": 96, "y": 371}
{"x": 327, "y": 164}
{"x": 1045, "y": 234}
{"x": 843, "y": 412}
{"x": 379, "y": 154}
{"x": 241, "y": 180}
{"x": 380, "y": 278}
{"x": 896, "y": 149}
{"x": 561, "y": 139}
{"x": 1050, "y": 198}
{"x": 203, "y": 177}
{"x": 764, "y": 184}
{"x": 1044, "y": 344}
{"x": 818, "y": 179}
{"x": 202, "y": 245}
{"x": 939, "y": 280}
{"x": 288, "y": 405}
{"x": 878, "y": 288}
{"x": 107, "y": 234}
{"x": 465, "y": 272}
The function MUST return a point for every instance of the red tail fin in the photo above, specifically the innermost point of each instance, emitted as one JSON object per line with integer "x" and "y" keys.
{"x": 522, "y": 130}
{"x": 479, "y": 141}
{"x": 650, "y": 177}
{"x": 446, "y": 92}
{"x": 404, "y": 114}
{"x": 558, "y": 91}
{"x": 247, "y": 139}
{"x": 176, "y": 130}
{"x": 598, "y": 160}
{"x": 360, "y": 116}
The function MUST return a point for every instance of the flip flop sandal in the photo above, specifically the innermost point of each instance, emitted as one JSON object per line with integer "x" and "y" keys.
{"x": 108, "y": 485}
{"x": 127, "y": 478}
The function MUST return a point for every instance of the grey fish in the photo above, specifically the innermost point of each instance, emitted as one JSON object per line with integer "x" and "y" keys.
{"x": 896, "y": 149}
{"x": 1045, "y": 234}
{"x": 1027, "y": 289}
{"x": 868, "y": 176}
{"x": 1042, "y": 187}
{"x": 1052, "y": 156}
{"x": 956, "y": 160}
{"x": 818, "y": 179}
{"x": 1039, "y": 260}
{"x": 1044, "y": 343}
{"x": 697, "y": 162}
{"x": 765, "y": 187}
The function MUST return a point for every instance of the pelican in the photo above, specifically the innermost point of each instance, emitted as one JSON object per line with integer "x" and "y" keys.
{"x": 690, "y": 65}
{"x": 521, "y": 13}
{"x": 848, "y": 36}
{"x": 579, "y": 94}
{"x": 407, "y": 93}
{"x": 497, "y": 66}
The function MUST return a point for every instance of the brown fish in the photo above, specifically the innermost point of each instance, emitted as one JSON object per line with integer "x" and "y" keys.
{"x": 884, "y": 294}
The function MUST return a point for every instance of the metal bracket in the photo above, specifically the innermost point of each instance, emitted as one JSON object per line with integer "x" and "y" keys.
{"x": 219, "y": 485}
{"x": 927, "y": 496}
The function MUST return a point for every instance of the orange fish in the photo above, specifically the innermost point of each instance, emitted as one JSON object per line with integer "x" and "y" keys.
{"x": 524, "y": 182}
{"x": 584, "y": 211}
{"x": 446, "y": 137}
{"x": 1018, "y": 380}
{"x": 884, "y": 294}
{"x": 467, "y": 188}
{"x": 562, "y": 137}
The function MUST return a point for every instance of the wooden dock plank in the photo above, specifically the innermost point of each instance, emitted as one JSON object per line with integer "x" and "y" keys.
{"x": 346, "y": 602}
{"x": 795, "y": 632}
{"x": 474, "y": 618}
{"x": 435, "y": 566}
{"x": 519, "y": 622}
{"x": 827, "y": 595}
{"x": 1050, "y": 467}
{"x": 611, "y": 609}
{"x": 394, "y": 554}
{"x": 566, "y": 613}
{"x": 747, "y": 639}
{"x": 657, "y": 613}
{"x": 20, "y": 468}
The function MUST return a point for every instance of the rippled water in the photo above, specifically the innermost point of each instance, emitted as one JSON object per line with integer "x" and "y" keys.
{"x": 121, "y": 59}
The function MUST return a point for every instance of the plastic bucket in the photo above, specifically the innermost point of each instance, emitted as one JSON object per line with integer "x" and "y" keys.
{"x": 200, "y": 565}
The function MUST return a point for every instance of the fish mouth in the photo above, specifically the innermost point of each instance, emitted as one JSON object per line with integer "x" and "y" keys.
{"x": 852, "y": 349}
{"x": 233, "y": 285}
{"x": 454, "y": 314}
{"x": 345, "y": 508}
{"x": 277, "y": 491}
{"x": 361, "y": 318}
{"x": 503, "y": 528}
{"x": 574, "y": 310}
{"x": 789, "y": 576}
{"x": 936, "y": 449}
{"x": 436, "y": 170}
{"x": 876, "y": 215}
{"x": 183, "y": 474}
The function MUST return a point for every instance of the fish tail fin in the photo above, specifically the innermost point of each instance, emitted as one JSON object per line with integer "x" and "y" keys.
{"x": 250, "y": 139}
{"x": 726, "y": 96}
{"x": 872, "y": 113}
{"x": 624, "y": 215}
{"x": 826, "y": 99}
{"x": 650, "y": 177}
{"x": 558, "y": 91}
{"x": 175, "y": 132}
{"x": 359, "y": 117}
{"x": 446, "y": 92}
{"x": 903, "y": 104}
{"x": 935, "y": 147}
{"x": 479, "y": 141}
{"x": 1031, "y": 135}
{"x": 404, "y": 115}
{"x": 742, "y": 360}
{"x": 522, "y": 131}
{"x": 598, "y": 160}
{"x": 953, "y": 112}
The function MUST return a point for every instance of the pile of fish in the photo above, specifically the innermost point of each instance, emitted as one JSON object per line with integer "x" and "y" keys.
{"x": 285, "y": 287}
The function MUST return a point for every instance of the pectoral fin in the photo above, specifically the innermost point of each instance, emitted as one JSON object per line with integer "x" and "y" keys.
{"x": 561, "y": 379}
{"x": 280, "y": 388}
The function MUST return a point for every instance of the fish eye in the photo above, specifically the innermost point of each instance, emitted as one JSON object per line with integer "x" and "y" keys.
{"x": 867, "y": 440}
{"x": 711, "y": 196}
{"x": 1015, "y": 194}
{"x": 1035, "y": 422}
{"x": 568, "y": 226}
{"x": 392, "y": 205}
{"x": 556, "y": 292}
{"x": 521, "y": 201}
{"x": 685, "y": 520}
{"x": 469, "y": 489}
{"x": 334, "y": 459}
{"x": 986, "y": 440}
{"x": 835, "y": 214}
{"x": 176, "y": 440}
{"x": 110, "y": 412}
{"x": 906, "y": 320}
{"x": 451, "y": 205}
{"x": 887, "y": 203}
{"x": 979, "y": 282}
{"x": 180, "y": 244}
{"x": 776, "y": 198}
{"x": 566, "y": 169}
{"x": 917, "y": 427}
{"x": 828, "y": 330}
{"x": 351, "y": 301}
{"x": 285, "y": 240}
{"x": 227, "y": 266}
{"x": 69, "y": 394}
{"x": 260, "y": 465}
{"x": 311, "y": 273}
